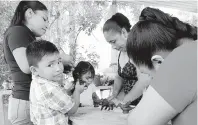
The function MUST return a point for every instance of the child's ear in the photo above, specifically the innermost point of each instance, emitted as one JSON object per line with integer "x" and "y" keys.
{"x": 34, "y": 70}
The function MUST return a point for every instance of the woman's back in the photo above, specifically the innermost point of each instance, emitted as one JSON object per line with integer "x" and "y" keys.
{"x": 16, "y": 37}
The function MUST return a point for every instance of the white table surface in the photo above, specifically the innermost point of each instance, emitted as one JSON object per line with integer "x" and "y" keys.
{"x": 94, "y": 116}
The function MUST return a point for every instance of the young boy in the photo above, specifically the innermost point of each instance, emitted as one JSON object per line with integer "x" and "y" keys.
{"x": 50, "y": 103}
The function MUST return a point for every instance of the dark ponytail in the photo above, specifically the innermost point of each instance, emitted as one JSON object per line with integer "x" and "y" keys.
{"x": 117, "y": 22}
{"x": 182, "y": 29}
{"x": 19, "y": 15}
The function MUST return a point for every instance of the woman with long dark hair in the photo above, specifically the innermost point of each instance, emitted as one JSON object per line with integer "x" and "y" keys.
{"x": 30, "y": 20}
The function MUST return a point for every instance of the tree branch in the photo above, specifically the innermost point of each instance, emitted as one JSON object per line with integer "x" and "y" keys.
{"x": 56, "y": 17}
{"x": 79, "y": 30}
{"x": 94, "y": 36}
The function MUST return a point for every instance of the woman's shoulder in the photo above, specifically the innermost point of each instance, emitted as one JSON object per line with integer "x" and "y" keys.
{"x": 16, "y": 30}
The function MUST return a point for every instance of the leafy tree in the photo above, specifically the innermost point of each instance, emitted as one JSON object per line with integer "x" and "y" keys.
{"x": 75, "y": 16}
{"x": 6, "y": 13}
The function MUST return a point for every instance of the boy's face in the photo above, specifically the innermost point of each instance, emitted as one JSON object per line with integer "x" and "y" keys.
{"x": 87, "y": 78}
{"x": 50, "y": 67}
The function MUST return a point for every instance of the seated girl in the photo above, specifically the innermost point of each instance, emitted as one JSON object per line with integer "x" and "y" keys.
{"x": 85, "y": 73}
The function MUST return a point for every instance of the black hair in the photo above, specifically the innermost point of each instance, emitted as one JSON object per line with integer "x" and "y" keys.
{"x": 183, "y": 29}
{"x": 38, "y": 49}
{"x": 82, "y": 68}
{"x": 156, "y": 31}
{"x": 19, "y": 15}
{"x": 147, "y": 37}
{"x": 116, "y": 23}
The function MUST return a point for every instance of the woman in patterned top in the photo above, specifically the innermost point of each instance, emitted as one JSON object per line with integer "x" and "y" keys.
{"x": 116, "y": 32}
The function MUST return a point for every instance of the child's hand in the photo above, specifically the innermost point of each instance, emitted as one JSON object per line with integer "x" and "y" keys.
{"x": 79, "y": 88}
{"x": 71, "y": 90}
{"x": 70, "y": 87}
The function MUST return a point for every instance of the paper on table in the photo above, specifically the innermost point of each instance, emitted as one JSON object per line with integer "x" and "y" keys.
{"x": 91, "y": 115}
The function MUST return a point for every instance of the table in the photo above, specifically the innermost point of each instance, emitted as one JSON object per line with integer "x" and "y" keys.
{"x": 94, "y": 116}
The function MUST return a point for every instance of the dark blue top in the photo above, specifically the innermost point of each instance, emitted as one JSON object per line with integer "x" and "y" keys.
{"x": 16, "y": 37}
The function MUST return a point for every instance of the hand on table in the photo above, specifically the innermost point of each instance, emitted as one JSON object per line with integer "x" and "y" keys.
{"x": 125, "y": 107}
{"x": 115, "y": 100}
{"x": 107, "y": 105}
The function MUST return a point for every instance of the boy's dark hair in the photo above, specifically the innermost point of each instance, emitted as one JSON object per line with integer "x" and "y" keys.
{"x": 37, "y": 49}
{"x": 19, "y": 15}
{"x": 156, "y": 31}
{"x": 82, "y": 68}
{"x": 116, "y": 23}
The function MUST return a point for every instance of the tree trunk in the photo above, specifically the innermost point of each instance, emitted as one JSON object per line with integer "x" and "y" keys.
{"x": 58, "y": 24}
{"x": 72, "y": 38}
